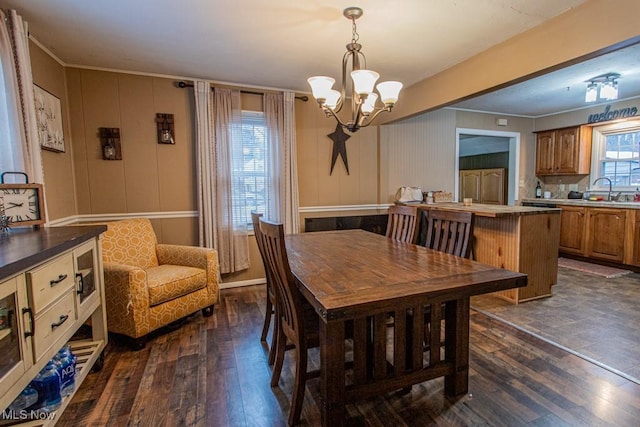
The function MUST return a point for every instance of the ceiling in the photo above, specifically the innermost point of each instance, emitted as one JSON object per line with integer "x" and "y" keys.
{"x": 562, "y": 90}
{"x": 278, "y": 44}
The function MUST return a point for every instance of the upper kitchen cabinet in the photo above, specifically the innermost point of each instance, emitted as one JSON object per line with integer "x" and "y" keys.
{"x": 565, "y": 151}
{"x": 483, "y": 185}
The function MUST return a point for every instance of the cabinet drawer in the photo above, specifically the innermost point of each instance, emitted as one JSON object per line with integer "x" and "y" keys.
{"x": 53, "y": 323}
{"x": 50, "y": 281}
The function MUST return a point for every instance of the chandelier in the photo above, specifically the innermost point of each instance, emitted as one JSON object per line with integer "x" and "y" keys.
{"x": 363, "y": 98}
{"x": 602, "y": 87}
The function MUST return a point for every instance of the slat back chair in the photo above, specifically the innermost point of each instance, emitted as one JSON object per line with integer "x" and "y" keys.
{"x": 296, "y": 325}
{"x": 271, "y": 295}
{"x": 403, "y": 223}
{"x": 450, "y": 232}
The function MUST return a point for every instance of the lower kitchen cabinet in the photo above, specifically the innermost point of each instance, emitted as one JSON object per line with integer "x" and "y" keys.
{"x": 635, "y": 242}
{"x": 606, "y": 234}
{"x": 572, "y": 229}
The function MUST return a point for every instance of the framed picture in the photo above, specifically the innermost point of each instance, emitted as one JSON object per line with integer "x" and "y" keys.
{"x": 49, "y": 119}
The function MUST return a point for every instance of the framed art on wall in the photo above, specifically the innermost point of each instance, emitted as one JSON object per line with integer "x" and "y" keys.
{"x": 49, "y": 120}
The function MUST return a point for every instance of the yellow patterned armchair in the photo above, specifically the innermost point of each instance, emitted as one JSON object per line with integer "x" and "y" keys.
{"x": 149, "y": 285}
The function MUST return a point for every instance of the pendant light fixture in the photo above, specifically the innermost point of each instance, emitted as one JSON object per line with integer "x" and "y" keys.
{"x": 364, "y": 100}
{"x": 603, "y": 87}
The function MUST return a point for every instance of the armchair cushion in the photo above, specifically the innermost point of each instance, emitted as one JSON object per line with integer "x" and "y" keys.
{"x": 167, "y": 282}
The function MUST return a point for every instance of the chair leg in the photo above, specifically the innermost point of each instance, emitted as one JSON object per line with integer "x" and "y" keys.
{"x": 274, "y": 341}
{"x": 207, "y": 311}
{"x": 299, "y": 385}
{"x": 281, "y": 342}
{"x": 267, "y": 320}
{"x": 137, "y": 344}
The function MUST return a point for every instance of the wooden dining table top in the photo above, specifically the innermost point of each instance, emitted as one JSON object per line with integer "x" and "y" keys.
{"x": 349, "y": 272}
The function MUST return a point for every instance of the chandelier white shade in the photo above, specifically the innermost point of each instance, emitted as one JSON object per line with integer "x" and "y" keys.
{"x": 363, "y": 83}
{"x": 603, "y": 87}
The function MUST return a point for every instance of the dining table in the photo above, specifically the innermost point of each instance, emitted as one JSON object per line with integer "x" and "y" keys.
{"x": 392, "y": 314}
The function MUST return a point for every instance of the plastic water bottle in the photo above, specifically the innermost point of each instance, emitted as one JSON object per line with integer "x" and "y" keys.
{"x": 47, "y": 384}
{"x": 28, "y": 397}
{"x": 66, "y": 361}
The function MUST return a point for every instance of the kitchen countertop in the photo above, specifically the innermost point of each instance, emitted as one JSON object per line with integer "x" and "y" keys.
{"x": 491, "y": 211}
{"x": 582, "y": 202}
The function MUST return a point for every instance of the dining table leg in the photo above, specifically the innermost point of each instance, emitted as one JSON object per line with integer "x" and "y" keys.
{"x": 332, "y": 373}
{"x": 457, "y": 346}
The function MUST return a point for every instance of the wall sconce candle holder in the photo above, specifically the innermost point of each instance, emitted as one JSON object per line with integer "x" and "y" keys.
{"x": 110, "y": 143}
{"x": 166, "y": 133}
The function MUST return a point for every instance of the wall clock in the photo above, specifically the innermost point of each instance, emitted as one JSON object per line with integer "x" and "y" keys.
{"x": 23, "y": 204}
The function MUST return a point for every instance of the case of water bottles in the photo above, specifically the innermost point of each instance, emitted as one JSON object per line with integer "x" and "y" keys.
{"x": 55, "y": 381}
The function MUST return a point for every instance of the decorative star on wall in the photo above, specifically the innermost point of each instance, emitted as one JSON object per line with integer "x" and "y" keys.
{"x": 339, "y": 147}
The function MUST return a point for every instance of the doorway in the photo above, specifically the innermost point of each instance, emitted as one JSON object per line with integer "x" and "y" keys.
{"x": 480, "y": 141}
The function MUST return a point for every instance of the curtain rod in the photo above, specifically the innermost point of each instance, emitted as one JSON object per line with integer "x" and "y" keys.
{"x": 182, "y": 85}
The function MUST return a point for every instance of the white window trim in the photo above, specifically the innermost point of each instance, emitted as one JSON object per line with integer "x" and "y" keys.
{"x": 598, "y": 140}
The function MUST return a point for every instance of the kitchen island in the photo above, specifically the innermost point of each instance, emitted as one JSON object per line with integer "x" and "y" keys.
{"x": 518, "y": 238}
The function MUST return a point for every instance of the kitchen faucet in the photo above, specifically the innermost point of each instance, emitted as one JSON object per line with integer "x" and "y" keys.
{"x": 604, "y": 177}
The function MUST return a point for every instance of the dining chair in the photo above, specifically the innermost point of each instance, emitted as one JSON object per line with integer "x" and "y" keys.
{"x": 402, "y": 224}
{"x": 298, "y": 324}
{"x": 449, "y": 231}
{"x": 271, "y": 296}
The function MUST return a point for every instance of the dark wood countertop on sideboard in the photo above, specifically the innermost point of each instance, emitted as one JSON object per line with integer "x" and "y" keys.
{"x": 491, "y": 211}
{"x": 23, "y": 248}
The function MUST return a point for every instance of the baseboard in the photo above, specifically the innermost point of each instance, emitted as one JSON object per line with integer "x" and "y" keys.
{"x": 241, "y": 283}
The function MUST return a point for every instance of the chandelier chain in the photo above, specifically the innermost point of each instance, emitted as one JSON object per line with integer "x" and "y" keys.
{"x": 354, "y": 32}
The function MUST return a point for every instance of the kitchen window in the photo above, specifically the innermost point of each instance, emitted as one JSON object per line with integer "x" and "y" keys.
{"x": 616, "y": 155}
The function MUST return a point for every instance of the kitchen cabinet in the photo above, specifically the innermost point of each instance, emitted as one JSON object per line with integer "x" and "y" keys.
{"x": 51, "y": 285}
{"x": 483, "y": 185}
{"x": 572, "y": 229}
{"x": 565, "y": 151}
{"x": 606, "y": 233}
{"x": 635, "y": 241}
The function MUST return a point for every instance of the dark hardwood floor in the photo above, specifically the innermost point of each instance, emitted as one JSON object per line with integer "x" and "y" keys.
{"x": 214, "y": 372}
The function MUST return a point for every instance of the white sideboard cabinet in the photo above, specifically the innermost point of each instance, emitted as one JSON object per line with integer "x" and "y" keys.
{"x": 51, "y": 284}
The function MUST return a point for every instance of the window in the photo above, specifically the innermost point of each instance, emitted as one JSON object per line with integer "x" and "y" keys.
{"x": 254, "y": 164}
{"x": 617, "y": 155}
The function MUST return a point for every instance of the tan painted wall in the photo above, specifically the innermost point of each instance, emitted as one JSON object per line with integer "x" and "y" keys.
{"x": 60, "y": 195}
{"x": 418, "y": 152}
{"x": 317, "y": 187}
{"x": 151, "y": 177}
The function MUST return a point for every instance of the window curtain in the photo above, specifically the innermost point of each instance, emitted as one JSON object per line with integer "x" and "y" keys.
{"x": 219, "y": 166}
{"x": 282, "y": 197}
{"x": 18, "y": 130}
